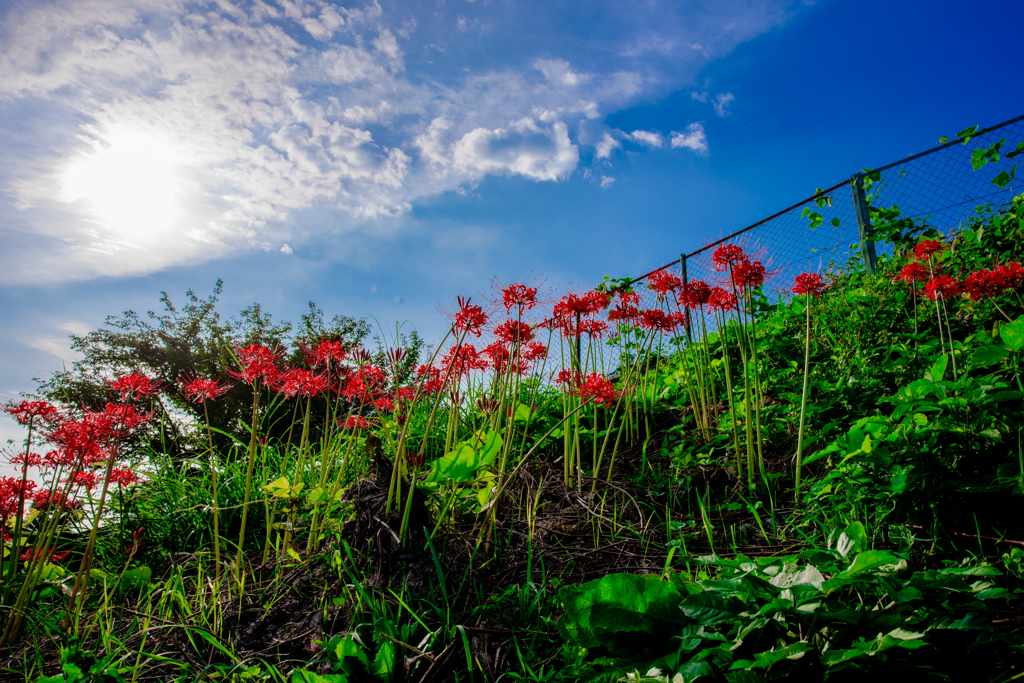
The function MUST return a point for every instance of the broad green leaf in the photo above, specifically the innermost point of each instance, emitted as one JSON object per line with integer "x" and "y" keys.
{"x": 792, "y": 575}
{"x": 302, "y": 676}
{"x": 138, "y": 577}
{"x": 710, "y": 608}
{"x": 1004, "y": 178}
{"x": 870, "y": 559}
{"x": 384, "y": 662}
{"x": 461, "y": 464}
{"x": 989, "y": 355}
{"x": 1013, "y": 334}
{"x": 938, "y": 369}
{"x": 626, "y": 613}
{"x": 854, "y": 539}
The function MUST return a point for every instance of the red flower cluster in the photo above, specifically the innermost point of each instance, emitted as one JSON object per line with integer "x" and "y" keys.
{"x": 31, "y": 410}
{"x": 663, "y": 283}
{"x": 810, "y": 284}
{"x": 913, "y": 272}
{"x": 201, "y": 389}
{"x": 928, "y": 248}
{"x": 470, "y": 318}
{"x": 598, "y": 389}
{"x": 986, "y": 284}
{"x": 942, "y": 286}
{"x": 519, "y": 296}
{"x": 726, "y": 255}
{"x": 513, "y": 332}
{"x": 297, "y": 381}
{"x": 721, "y": 300}
{"x": 327, "y": 353}
{"x": 258, "y": 362}
{"x": 695, "y": 294}
{"x": 748, "y": 274}
{"x": 134, "y": 385}
{"x": 656, "y": 319}
{"x": 462, "y": 359}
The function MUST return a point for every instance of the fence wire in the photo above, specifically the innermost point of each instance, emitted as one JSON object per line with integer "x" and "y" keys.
{"x": 939, "y": 186}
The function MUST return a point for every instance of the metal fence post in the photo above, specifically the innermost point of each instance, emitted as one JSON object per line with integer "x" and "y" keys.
{"x": 686, "y": 279}
{"x": 860, "y": 205}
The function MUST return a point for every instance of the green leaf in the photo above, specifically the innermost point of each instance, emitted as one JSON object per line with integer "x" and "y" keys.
{"x": 137, "y": 578}
{"x": 461, "y": 464}
{"x": 384, "y": 662}
{"x": 869, "y": 560}
{"x": 626, "y": 613}
{"x": 1004, "y": 178}
{"x": 988, "y": 355}
{"x": 938, "y": 369}
{"x": 1013, "y": 334}
{"x": 854, "y": 539}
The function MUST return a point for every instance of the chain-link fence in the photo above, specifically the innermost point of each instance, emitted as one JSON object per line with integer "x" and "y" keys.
{"x": 940, "y": 185}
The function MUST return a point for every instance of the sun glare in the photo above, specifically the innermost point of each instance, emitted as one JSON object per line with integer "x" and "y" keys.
{"x": 131, "y": 184}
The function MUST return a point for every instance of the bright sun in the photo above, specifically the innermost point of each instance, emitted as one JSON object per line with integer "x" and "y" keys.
{"x": 131, "y": 182}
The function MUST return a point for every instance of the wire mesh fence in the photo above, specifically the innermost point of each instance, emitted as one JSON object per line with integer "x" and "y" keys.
{"x": 941, "y": 186}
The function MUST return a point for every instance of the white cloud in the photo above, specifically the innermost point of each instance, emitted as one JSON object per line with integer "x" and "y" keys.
{"x": 253, "y": 111}
{"x": 605, "y": 146}
{"x": 722, "y": 101}
{"x": 693, "y": 138}
{"x": 700, "y": 96}
{"x": 523, "y": 148}
{"x": 286, "y": 250}
{"x": 606, "y": 182}
{"x": 646, "y": 137}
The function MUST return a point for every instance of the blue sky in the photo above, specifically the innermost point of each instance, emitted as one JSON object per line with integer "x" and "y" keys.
{"x": 380, "y": 158}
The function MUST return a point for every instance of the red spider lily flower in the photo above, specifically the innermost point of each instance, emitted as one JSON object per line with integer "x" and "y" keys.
{"x": 1013, "y": 274}
{"x": 30, "y": 410}
{"x": 328, "y": 353}
{"x": 469, "y": 318}
{"x": 748, "y": 274}
{"x": 519, "y": 296}
{"x": 628, "y": 298}
{"x": 695, "y": 294}
{"x": 663, "y": 282}
{"x": 433, "y": 382}
{"x": 942, "y": 286}
{"x": 726, "y": 255}
{"x": 721, "y": 300}
{"x": 258, "y": 362}
{"x": 368, "y": 380}
{"x": 810, "y": 284}
{"x": 594, "y": 328}
{"x": 927, "y": 248}
{"x": 626, "y": 313}
{"x": 598, "y": 389}
{"x": 13, "y": 491}
{"x": 298, "y": 381}
{"x": 201, "y": 389}
{"x": 985, "y": 284}
{"x": 85, "y": 479}
{"x": 34, "y": 459}
{"x": 44, "y": 498}
{"x": 460, "y": 360}
{"x": 913, "y": 272}
{"x": 569, "y": 378}
{"x": 656, "y": 319}
{"x": 502, "y": 359}
{"x": 134, "y": 385}
{"x": 122, "y": 477}
{"x": 123, "y": 417}
{"x": 534, "y": 352}
{"x": 513, "y": 332}
{"x": 385, "y": 405}
{"x": 136, "y": 543}
{"x": 354, "y": 422}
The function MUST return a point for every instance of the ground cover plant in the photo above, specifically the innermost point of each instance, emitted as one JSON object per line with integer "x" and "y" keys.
{"x": 815, "y": 476}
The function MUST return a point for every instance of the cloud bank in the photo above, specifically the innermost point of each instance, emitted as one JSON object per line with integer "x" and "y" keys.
{"x": 141, "y": 135}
